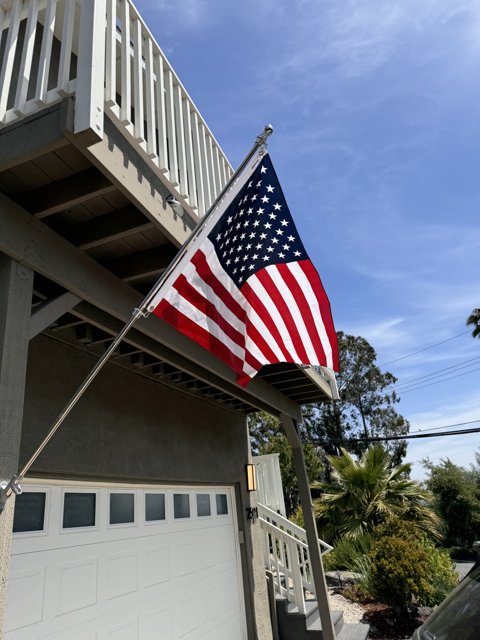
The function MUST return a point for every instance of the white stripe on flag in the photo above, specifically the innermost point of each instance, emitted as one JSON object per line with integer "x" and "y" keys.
{"x": 312, "y": 300}
{"x": 295, "y": 311}
{"x": 271, "y": 306}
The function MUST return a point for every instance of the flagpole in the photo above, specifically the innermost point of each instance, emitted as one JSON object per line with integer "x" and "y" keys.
{"x": 13, "y": 485}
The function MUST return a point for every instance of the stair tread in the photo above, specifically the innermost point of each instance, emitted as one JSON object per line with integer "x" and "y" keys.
{"x": 314, "y": 623}
{"x": 358, "y": 631}
{"x": 310, "y": 606}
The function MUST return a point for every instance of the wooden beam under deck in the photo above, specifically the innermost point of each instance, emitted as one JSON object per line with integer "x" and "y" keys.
{"x": 149, "y": 263}
{"x": 65, "y": 193}
{"x": 36, "y": 135}
{"x": 109, "y": 227}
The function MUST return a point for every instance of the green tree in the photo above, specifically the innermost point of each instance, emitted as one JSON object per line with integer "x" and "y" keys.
{"x": 456, "y": 494}
{"x": 368, "y": 491}
{"x": 366, "y": 407}
{"x": 473, "y": 320}
{"x": 263, "y": 427}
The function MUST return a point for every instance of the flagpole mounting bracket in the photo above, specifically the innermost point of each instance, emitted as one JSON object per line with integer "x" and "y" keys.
{"x": 12, "y": 486}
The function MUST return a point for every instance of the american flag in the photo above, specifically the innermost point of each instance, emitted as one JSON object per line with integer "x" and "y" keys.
{"x": 246, "y": 290}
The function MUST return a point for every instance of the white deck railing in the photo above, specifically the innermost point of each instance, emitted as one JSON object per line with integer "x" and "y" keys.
{"x": 102, "y": 52}
{"x": 287, "y": 557}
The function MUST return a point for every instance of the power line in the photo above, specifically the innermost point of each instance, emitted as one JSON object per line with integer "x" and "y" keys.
{"x": 409, "y": 355}
{"x": 447, "y": 426}
{"x": 438, "y": 372}
{"x": 459, "y": 375}
{"x": 415, "y": 436}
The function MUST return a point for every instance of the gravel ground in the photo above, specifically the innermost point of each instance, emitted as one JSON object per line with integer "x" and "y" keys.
{"x": 352, "y": 611}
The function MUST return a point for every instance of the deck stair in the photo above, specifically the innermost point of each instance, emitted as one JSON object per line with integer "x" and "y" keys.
{"x": 293, "y": 625}
{"x": 287, "y": 562}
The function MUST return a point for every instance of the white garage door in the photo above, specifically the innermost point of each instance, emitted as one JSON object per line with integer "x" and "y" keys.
{"x": 109, "y": 562}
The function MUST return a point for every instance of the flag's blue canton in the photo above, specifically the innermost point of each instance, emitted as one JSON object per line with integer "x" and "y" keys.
{"x": 257, "y": 229}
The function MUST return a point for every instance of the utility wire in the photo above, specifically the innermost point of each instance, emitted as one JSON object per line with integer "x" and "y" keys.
{"x": 409, "y": 355}
{"x": 459, "y": 375}
{"x": 439, "y": 372}
{"x": 446, "y": 426}
{"x": 415, "y": 436}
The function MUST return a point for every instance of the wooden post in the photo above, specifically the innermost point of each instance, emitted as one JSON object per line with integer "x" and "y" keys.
{"x": 15, "y": 306}
{"x": 291, "y": 432}
{"x": 90, "y": 91}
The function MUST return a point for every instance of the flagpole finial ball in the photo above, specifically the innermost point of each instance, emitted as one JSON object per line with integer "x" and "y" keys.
{"x": 262, "y": 138}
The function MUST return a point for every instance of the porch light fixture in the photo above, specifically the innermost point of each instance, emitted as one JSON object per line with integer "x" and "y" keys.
{"x": 251, "y": 477}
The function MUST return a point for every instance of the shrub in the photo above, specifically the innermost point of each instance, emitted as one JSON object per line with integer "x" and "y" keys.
{"x": 405, "y": 567}
{"x": 347, "y": 551}
{"x": 443, "y": 577}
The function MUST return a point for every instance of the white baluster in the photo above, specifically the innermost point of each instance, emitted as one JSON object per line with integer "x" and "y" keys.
{"x": 27, "y": 54}
{"x": 192, "y": 182}
{"x": 182, "y": 159}
{"x": 111, "y": 55}
{"x": 297, "y": 577}
{"x": 139, "y": 130}
{"x": 171, "y": 129}
{"x": 211, "y": 171}
{"x": 126, "y": 93}
{"x": 9, "y": 56}
{"x": 66, "y": 47}
{"x": 205, "y": 169}
{"x": 160, "y": 113}
{"x": 150, "y": 100}
{"x": 45, "y": 53}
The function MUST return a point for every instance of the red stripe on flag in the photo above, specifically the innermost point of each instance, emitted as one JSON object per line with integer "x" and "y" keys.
{"x": 200, "y": 262}
{"x": 325, "y": 309}
{"x": 198, "y": 334}
{"x": 196, "y": 299}
{"x": 266, "y": 279}
{"x": 305, "y": 309}
{"x": 262, "y": 311}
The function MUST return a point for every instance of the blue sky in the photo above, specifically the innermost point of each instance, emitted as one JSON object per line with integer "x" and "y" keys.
{"x": 375, "y": 107}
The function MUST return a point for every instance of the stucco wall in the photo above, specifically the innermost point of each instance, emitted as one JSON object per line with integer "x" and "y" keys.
{"x": 126, "y": 425}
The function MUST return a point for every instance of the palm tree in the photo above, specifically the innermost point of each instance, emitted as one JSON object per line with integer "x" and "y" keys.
{"x": 474, "y": 320}
{"x": 367, "y": 492}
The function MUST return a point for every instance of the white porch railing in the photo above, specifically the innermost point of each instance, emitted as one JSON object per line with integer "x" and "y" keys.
{"x": 269, "y": 482}
{"x": 102, "y": 52}
{"x": 287, "y": 556}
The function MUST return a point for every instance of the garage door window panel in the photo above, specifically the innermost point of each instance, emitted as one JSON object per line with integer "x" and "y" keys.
{"x": 30, "y": 512}
{"x": 203, "y": 505}
{"x": 122, "y": 509}
{"x": 154, "y": 507}
{"x": 79, "y": 510}
{"x": 222, "y": 504}
{"x": 181, "y": 505}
